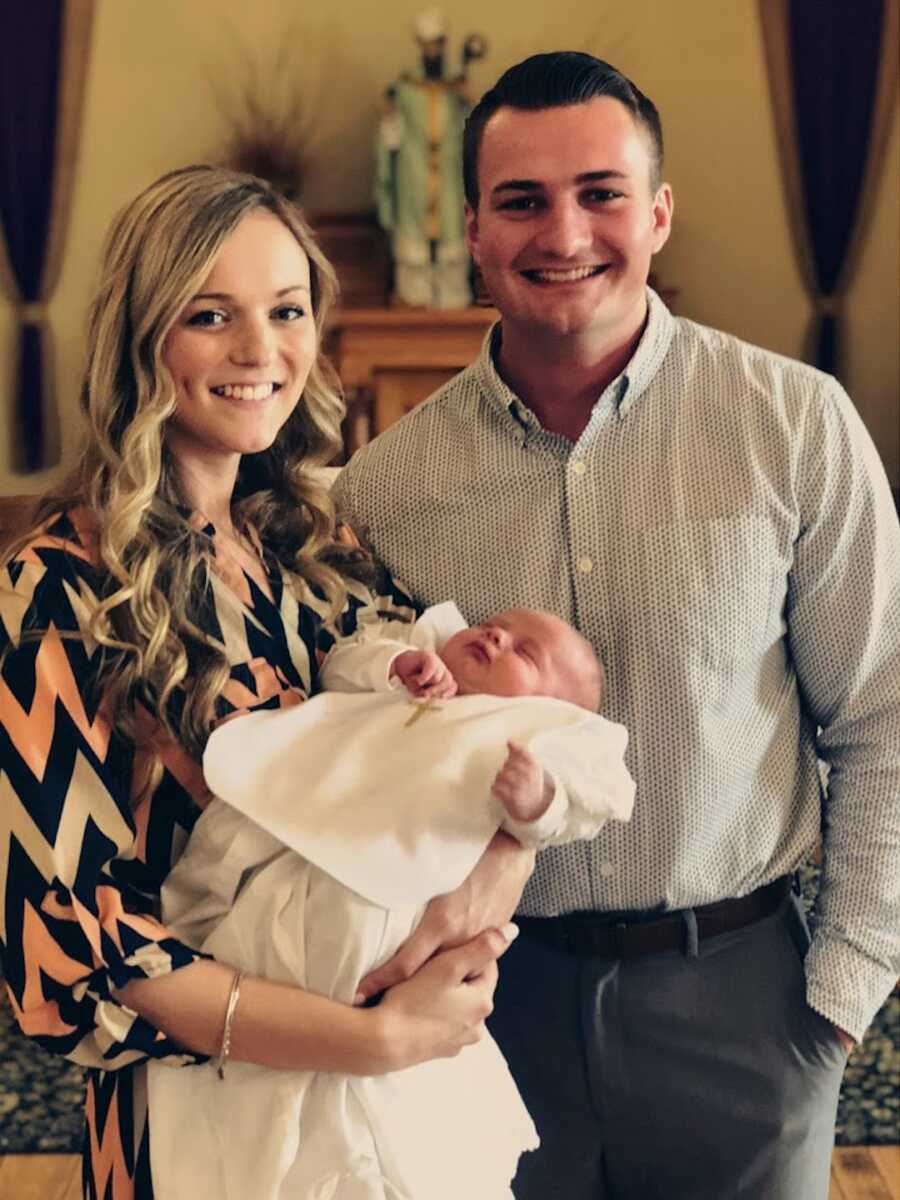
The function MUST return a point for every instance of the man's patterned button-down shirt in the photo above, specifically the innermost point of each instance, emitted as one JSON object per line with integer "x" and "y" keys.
{"x": 724, "y": 534}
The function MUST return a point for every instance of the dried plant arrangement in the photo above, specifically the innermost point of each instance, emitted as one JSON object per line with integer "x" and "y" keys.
{"x": 270, "y": 121}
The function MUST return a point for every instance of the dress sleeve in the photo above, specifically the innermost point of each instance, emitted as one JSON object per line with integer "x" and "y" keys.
{"x": 362, "y": 661}
{"x": 72, "y": 930}
{"x": 362, "y": 666}
{"x": 592, "y": 785}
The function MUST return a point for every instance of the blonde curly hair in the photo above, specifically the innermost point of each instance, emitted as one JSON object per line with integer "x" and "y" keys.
{"x": 154, "y": 563}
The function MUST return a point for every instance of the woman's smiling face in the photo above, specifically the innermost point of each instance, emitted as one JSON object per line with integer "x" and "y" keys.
{"x": 240, "y": 352}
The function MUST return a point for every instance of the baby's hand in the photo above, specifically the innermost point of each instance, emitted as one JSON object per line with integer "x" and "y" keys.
{"x": 424, "y": 673}
{"x": 522, "y": 786}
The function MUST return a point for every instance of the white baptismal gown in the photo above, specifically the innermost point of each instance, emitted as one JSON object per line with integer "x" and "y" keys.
{"x": 325, "y": 882}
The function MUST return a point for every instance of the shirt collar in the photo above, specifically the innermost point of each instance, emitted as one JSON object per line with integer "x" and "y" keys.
{"x": 642, "y": 367}
{"x": 627, "y": 388}
{"x": 499, "y": 395}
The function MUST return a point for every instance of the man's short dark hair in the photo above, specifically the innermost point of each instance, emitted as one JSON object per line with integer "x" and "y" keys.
{"x": 553, "y": 81}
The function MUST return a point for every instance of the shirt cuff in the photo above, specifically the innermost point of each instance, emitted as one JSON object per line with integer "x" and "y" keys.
{"x": 845, "y": 986}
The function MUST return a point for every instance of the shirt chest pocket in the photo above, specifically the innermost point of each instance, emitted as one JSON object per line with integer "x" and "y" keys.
{"x": 715, "y": 587}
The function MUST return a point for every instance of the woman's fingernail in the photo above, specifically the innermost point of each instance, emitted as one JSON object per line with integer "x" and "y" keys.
{"x": 510, "y": 931}
{"x": 359, "y": 998}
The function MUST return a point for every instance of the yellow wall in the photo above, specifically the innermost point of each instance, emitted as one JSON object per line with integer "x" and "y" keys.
{"x": 158, "y": 73}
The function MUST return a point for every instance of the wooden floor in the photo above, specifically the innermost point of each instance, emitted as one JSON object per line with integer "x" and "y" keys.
{"x": 857, "y": 1173}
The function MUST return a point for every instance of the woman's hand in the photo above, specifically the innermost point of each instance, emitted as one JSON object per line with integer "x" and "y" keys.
{"x": 486, "y": 900}
{"x": 443, "y": 1006}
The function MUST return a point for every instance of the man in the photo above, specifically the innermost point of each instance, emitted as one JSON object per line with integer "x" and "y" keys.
{"x": 714, "y": 518}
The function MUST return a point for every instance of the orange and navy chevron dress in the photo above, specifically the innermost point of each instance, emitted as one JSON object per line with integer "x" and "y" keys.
{"x": 81, "y": 865}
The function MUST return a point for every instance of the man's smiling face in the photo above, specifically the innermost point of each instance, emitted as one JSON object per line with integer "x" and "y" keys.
{"x": 568, "y": 220}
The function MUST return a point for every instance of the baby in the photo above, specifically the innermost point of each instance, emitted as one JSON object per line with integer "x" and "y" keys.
{"x": 344, "y": 816}
{"x": 520, "y": 652}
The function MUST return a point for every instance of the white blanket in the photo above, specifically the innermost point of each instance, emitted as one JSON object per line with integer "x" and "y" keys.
{"x": 392, "y": 796}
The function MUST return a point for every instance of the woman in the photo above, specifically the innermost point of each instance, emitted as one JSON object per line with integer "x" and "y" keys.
{"x": 189, "y": 570}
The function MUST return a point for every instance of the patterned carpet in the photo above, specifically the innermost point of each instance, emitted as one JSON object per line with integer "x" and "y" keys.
{"x": 40, "y": 1096}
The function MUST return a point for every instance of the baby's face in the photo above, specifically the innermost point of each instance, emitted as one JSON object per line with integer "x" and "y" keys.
{"x": 517, "y": 653}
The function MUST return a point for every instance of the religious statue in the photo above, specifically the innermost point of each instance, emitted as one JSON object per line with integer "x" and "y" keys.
{"x": 418, "y": 186}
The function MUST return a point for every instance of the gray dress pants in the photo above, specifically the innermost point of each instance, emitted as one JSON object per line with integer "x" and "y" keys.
{"x": 674, "y": 1076}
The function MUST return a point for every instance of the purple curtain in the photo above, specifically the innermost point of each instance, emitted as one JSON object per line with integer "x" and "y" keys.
{"x": 832, "y": 74}
{"x": 31, "y": 36}
{"x": 835, "y": 49}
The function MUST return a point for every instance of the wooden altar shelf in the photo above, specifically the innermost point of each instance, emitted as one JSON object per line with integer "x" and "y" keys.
{"x": 390, "y": 359}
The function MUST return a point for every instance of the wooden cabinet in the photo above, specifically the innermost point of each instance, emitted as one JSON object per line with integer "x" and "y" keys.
{"x": 390, "y": 359}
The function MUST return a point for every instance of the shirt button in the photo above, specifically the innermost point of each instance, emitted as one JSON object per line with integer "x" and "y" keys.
{"x": 607, "y": 870}
{"x": 585, "y": 565}
{"x": 579, "y": 467}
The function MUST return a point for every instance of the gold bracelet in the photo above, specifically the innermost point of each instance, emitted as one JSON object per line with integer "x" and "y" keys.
{"x": 225, "y": 1047}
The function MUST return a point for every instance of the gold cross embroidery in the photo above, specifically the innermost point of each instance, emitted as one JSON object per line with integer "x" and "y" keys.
{"x": 430, "y": 705}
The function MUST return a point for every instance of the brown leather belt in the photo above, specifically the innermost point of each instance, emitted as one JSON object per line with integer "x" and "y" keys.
{"x": 611, "y": 935}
